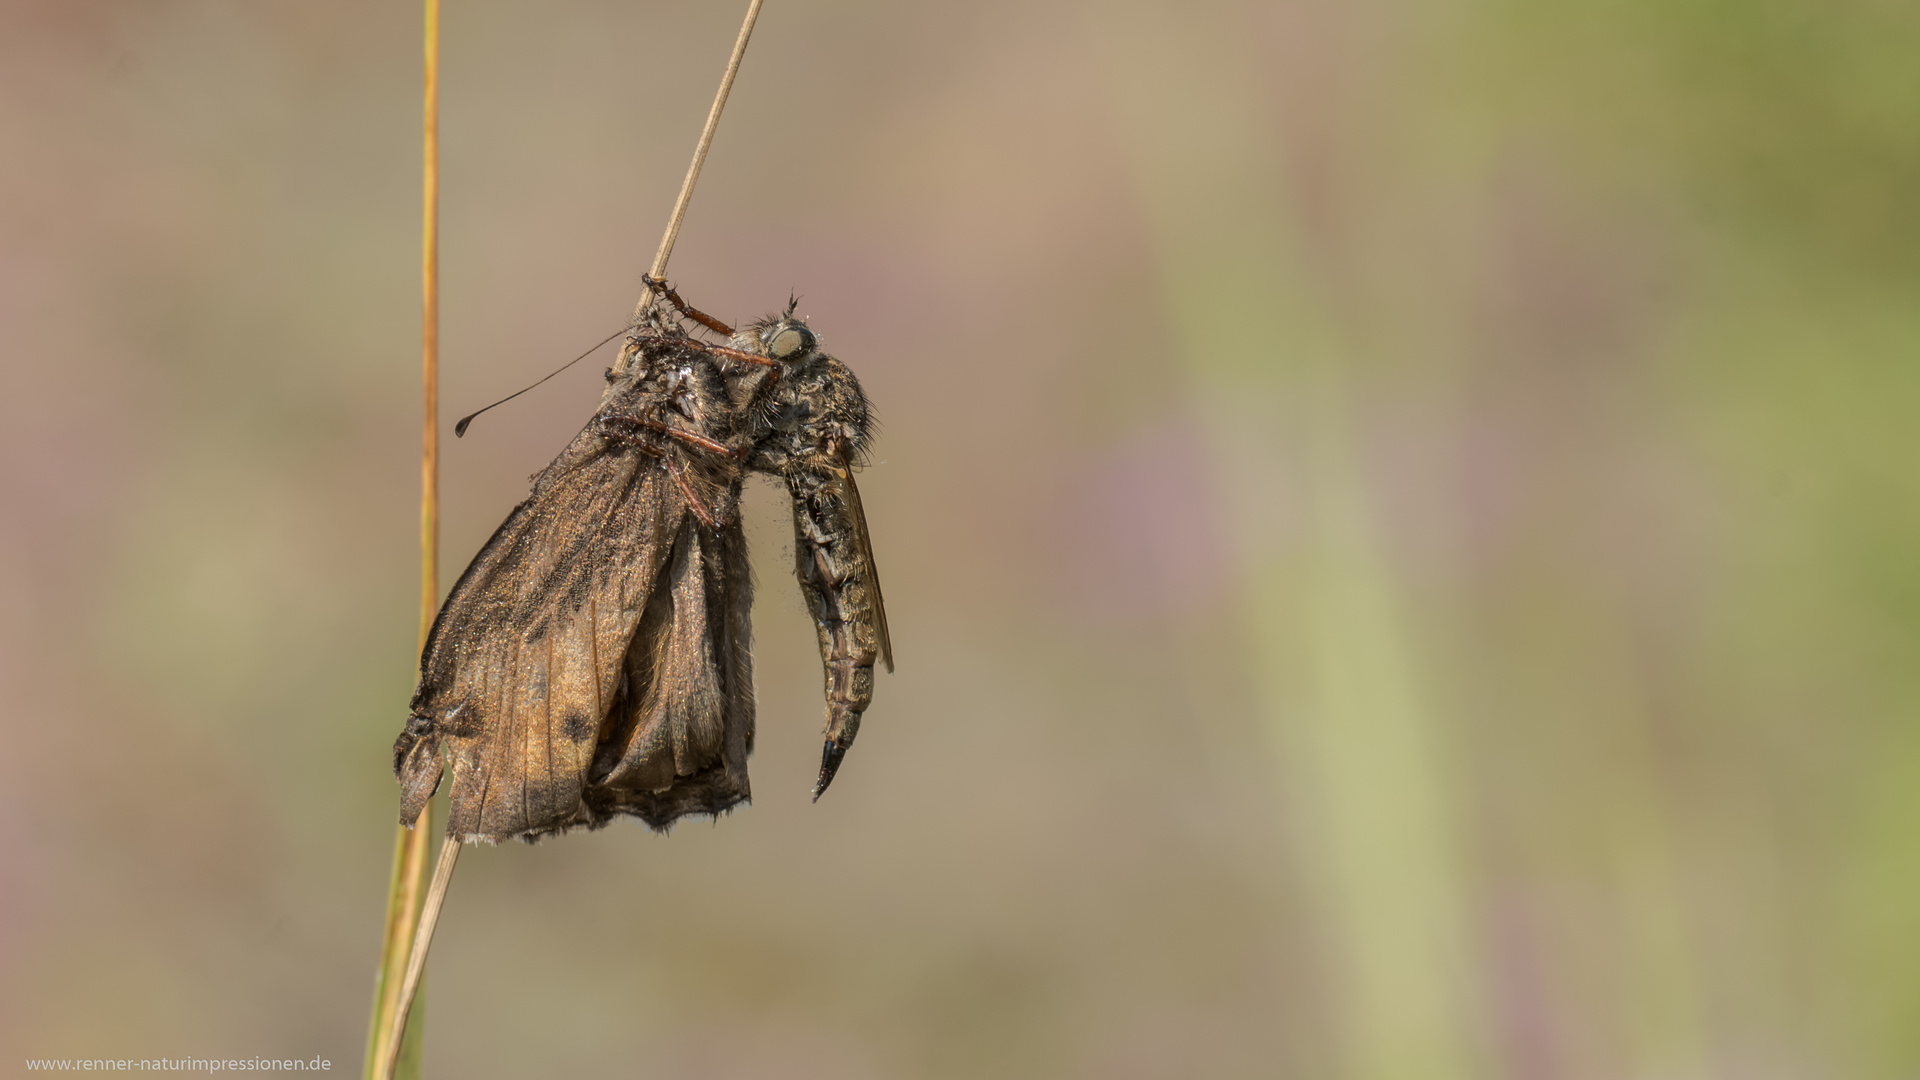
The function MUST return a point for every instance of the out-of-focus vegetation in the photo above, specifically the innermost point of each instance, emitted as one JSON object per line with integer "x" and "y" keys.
{"x": 1399, "y": 523}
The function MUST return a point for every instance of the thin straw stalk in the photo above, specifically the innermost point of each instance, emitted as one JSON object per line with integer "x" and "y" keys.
{"x": 407, "y": 887}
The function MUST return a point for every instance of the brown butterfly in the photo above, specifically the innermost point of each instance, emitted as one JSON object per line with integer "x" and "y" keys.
{"x": 595, "y": 658}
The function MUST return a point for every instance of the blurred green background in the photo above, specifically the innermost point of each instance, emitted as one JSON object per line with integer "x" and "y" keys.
{"x": 1399, "y": 522}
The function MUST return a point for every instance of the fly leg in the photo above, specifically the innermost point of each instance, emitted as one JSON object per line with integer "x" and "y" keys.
{"x": 718, "y": 350}
{"x": 645, "y": 441}
{"x": 694, "y": 502}
{"x": 690, "y": 438}
{"x": 659, "y": 285}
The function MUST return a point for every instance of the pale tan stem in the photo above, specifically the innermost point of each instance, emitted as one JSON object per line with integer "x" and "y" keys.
{"x": 417, "y": 959}
{"x": 699, "y": 158}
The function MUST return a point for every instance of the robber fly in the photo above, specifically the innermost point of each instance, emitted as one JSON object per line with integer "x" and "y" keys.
{"x": 595, "y": 658}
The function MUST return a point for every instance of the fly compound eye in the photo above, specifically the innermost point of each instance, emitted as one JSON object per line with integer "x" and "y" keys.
{"x": 788, "y": 341}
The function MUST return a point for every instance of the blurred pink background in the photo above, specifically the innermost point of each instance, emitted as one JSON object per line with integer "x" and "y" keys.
{"x": 1399, "y": 524}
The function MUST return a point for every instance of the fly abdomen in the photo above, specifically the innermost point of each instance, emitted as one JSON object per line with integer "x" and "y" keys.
{"x": 842, "y": 595}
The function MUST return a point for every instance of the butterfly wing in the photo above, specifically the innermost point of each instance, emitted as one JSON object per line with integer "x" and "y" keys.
{"x": 526, "y": 653}
{"x": 592, "y": 659}
{"x": 678, "y": 734}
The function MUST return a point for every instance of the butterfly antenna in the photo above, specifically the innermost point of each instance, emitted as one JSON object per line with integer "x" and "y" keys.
{"x": 460, "y": 429}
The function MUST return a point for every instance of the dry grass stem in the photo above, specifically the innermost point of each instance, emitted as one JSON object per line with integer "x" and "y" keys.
{"x": 422, "y": 941}
{"x": 404, "y": 900}
{"x": 660, "y": 257}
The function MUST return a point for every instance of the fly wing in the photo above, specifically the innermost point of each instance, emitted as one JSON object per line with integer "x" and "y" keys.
{"x": 526, "y": 653}
{"x": 864, "y": 548}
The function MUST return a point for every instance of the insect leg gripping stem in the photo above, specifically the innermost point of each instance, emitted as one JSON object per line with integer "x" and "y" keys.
{"x": 660, "y": 287}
